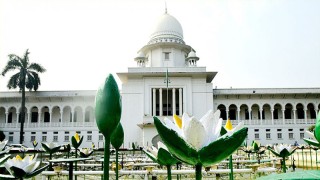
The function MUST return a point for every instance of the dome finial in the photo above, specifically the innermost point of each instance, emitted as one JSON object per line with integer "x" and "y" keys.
{"x": 165, "y": 5}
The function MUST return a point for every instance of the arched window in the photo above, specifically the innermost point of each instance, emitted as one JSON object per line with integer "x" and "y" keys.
{"x": 223, "y": 114}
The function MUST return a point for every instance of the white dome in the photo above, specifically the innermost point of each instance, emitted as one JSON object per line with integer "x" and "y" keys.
{"x": 167, "y": 29}
{"x": 192, "y": 54}
{"x": 140, "y": 55}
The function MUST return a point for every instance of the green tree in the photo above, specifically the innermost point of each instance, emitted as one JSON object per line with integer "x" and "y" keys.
{"x": 26, "y": 77}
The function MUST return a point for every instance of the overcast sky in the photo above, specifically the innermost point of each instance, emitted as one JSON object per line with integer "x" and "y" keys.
{"x": 250, "y": 43}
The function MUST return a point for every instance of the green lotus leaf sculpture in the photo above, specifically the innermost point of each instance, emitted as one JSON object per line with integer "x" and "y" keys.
{"x": 315, "y": 135}
{"x": 162, "y": 156}
{"x": 198, "y": 142}
{"x": 108, "y": 114}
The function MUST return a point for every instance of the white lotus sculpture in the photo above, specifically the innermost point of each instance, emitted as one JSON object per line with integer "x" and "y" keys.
{"x": 199, "y": 142}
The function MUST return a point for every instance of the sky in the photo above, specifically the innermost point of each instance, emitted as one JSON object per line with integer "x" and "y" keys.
{"x": 250, "y": 43}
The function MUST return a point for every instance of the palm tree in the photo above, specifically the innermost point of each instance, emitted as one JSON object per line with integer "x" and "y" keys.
{"x": 26, "y": 77}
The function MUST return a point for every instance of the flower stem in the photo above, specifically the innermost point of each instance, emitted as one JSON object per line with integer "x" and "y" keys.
{"x": 169, "y": 172}
{"x": 106, "y": 158}
{"x": 117, "y": 169}
{"x": 284, "y": 164}
{"x": 198, "y": 172}
{"x": 231, "y": 168}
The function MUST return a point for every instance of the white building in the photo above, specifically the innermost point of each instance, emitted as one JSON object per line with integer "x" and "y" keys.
{"x": 166, "y": 81}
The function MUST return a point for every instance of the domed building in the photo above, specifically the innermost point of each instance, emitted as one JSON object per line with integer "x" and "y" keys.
{"x": 166, "y": 81}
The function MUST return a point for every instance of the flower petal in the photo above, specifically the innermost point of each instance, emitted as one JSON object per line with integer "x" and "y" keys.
{"x": 177, "y": 121}
{"x": 311, "y": 134}
{"x": 31, "y": 167}
{"x": 195, "y": 134}
{"x": 172, "y": 126}
{"x": 185, "y": 120}
{"x": 208, "y": 121}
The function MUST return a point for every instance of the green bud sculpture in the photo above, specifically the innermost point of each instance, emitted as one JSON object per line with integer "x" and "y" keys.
{"x": 108, "y": 114}
{"x": 117, "y": 138}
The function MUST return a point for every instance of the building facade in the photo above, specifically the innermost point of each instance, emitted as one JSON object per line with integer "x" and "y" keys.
{"x": 166, "y": 81}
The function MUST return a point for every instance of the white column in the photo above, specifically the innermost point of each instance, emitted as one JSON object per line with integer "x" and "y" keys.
{"x": 50, "y": 111}
{"x": 7, "y": 117}
{"x": 28, "y": 117}
{"x": 6, "y": 120}
{"x": 227, "y": 114}
{"x": 153, "y": 102}
{"x": 261, "y": 116}
{"x": 272, "y": 118}
{"x": 173, "y": 101}
{"x": 17, "y": 119}
{"x": 294, "y": 116}
{"x": 283, "y": 118}
{"x": 61, "y": 115}
{"x": 305, "y": 116}
{"x": 160, "y": 103}
{"x": 84, "y": 117}
{"x": 180, "y": 102}
{"x": 39, "y": 118}
{"x": 238, "y": 118}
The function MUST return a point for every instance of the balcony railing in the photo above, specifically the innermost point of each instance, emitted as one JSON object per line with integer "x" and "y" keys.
{"x": 48, "y": 124}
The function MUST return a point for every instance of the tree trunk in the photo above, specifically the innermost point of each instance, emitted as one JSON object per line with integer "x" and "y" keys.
{"x": 23, "y": 107}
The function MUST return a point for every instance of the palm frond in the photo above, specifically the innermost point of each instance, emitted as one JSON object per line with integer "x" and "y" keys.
{"x": 14, "y": 81}
{"x": 34, "y": 80}
{"x": 25, "y": 60}
{"x": 29, "y": 81}
{"x": 14, "y": 57}
{"x": 36, "y": 67}
{"x": 11, "y": 65}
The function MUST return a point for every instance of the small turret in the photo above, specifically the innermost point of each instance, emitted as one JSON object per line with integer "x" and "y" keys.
{"x": 141, "y": 59}
{"x": 192, "y": 59}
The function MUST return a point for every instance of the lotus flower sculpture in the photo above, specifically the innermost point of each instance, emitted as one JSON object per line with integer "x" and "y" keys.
{"x": 24, "y": 168}
{"x": 3, "y": 151}
{"x": 283, "y": 151}
{"x": 198, "y": 142}
{"x": 2, "y": 147}
{"x": 50, "y": 148}
{"x": 315, "y": 135}
{"x": 162, "y": 156}
{"x": 85, "y": 152}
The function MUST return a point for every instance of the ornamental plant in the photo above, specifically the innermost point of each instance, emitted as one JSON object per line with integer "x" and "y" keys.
{"x": 162, "y": 156}
{"x": 228, "y": 129}
{"x": 24, "y": 168}
{"x": 283, "y": 151}
{"x": 108, "y": 114}
{"x": 76, "y": 141}
{"x": 85, "y": 152}
{"x": 50, "y": 148}
{"x": 198, "y": 142}
{"x": 117, "y": 138}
